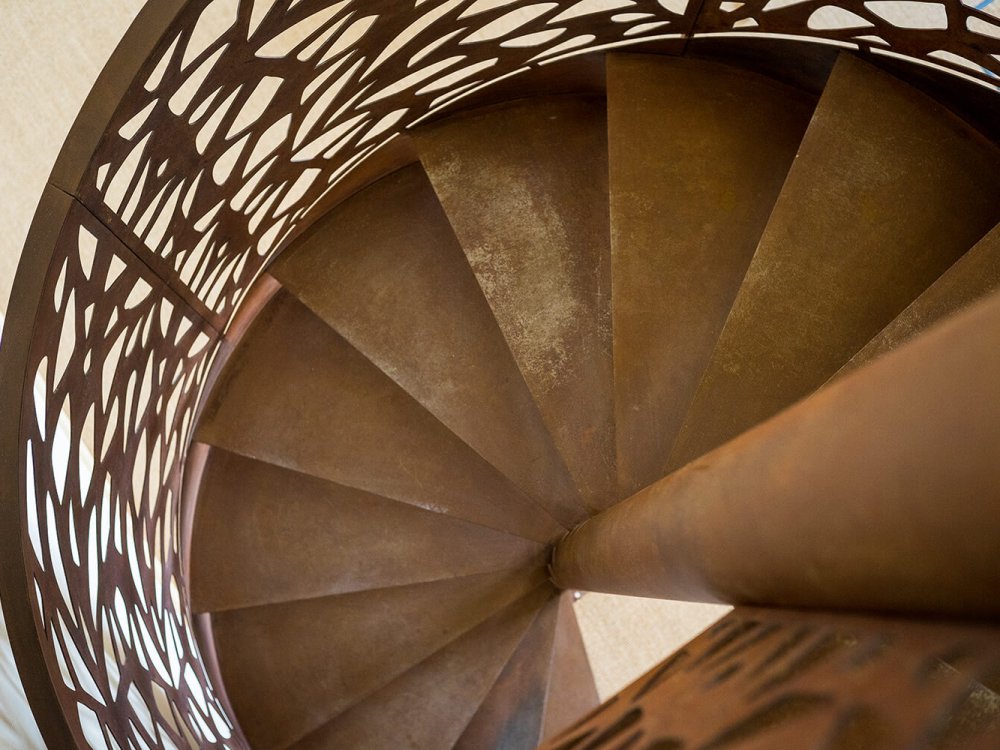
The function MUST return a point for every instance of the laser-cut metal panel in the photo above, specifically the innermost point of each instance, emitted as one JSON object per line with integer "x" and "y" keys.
{"x": 116, "y": 364}
{"x": 782, "y": 679}
{"x": 231, "y": 141}
{"x": 248, "y": 115}
{"x": 225, "y": 145}
{"x": 961, "y": 36}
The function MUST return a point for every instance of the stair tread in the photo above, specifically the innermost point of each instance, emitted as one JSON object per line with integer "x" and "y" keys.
{"x": 973, "y": 276}
{"x": 510, "y": 717}
{"x": 265, "y": 534}
{"x": 385, "y": 270}
{"x": 525, "y": 188}
{"x": 887, "y": 190}
{"x": 290, "y": 668}
{"x": 698, "y": 152}
{"x": 450, "y": 393}
{"x": 572, "y": 691}
{"x": 429, "y": 705}
{"x": 338, "y": 417}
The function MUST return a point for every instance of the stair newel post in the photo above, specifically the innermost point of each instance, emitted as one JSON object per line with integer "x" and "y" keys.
{"x": 881, "y": 492}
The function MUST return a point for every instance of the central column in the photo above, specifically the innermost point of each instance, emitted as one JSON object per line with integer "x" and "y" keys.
{"x": 881, "y": 492}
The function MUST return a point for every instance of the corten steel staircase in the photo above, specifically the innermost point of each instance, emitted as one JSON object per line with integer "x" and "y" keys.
{"x": 379, "y": 362}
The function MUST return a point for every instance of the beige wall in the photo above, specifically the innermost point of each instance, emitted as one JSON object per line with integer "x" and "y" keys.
{"x": 50, "y": 54}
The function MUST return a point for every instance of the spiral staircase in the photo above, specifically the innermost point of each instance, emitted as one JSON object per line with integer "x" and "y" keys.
{"x": 378, "y": 372}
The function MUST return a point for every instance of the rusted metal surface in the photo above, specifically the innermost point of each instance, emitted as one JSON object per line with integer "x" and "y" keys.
{"x": 386, "y": 272}
{"x": 32, "y": 655}
{"x": 432, "y": 703}
{"x": 272, "y": 108}
{"x": 767, "y": 679}
{"x": 121, "y": 353}
{"x": 290, "y": 668}
{"x": 974, "y": 275}
{"x": 571, "y": 692}
{"x": 163, "y": 154}
{"x": 698, "y": 153}
{"x": 881, "y": 492}
{"x": 887, "y": 190}
{"x": 510, "y": 717}
{"x": 926, "y": 29}
{"x": 525, "y": 187}
{"x": 265, "y": 534}
{"x": 338, "y": 417}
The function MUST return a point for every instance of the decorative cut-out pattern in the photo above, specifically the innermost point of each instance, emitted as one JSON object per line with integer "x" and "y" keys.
{"x": 104, "y": 532}
{"x": 233, "y": 142}
{"x": 249, "y": 114}
{"x": 959, "y": 37}
{"x": 772, "y": 678}
{"x": 239, "y": 128}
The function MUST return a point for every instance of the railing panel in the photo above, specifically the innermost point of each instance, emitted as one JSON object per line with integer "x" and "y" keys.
{"x": 780, "y": 678}
{"x": 119, "y": 359}
{"x": 219, "y": 131}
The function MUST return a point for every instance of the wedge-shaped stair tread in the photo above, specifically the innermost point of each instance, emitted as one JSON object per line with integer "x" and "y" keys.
{"x": 290, "y": 668}
{"x": 974, "y": 275}
{"x": 525, "y": 187}
{"x": 298, "y": 395}
{"x": 572, "y": 691}
{"x": 545, "y": 687}
{"x": 888, "y": 189}
{"x": 511, "y": 716}
{"x": 428, "y": 707}
{"x": 697, "y": 152}
{"x": 266, "y": 534}
{"x": 386, "y": 272}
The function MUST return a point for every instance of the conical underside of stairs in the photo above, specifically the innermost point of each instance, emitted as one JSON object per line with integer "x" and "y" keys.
{"x": 566, "y": 299}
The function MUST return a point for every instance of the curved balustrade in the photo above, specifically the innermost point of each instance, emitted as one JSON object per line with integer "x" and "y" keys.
{"x": 198, "y": 157}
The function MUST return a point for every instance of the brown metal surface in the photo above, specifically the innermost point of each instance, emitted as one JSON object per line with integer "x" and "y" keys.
{"x": 571, "y": 692}
{"x": 111, "y": 369}
{"x": 974, "y": 275}
{"x": 881, "y": 492}
{"x": 45, "y": 695}
{"x": 698, "y": 152}
{"x": 265, "y": 534}
{"x": 386, "y": 272}
{"x": 766, "y": 679}
{"x": 510, "y": 717}
{"x": 290, "y": 668}
{"x": 920, "y": 32}
{"x": 430, "y": 705}
{"x": 297, "y": 395}
{"x": 525, "y": 187}
{"x": 280, "y": 111}
{"x": 145, "y": 153}
{"x": 887, "y": 190}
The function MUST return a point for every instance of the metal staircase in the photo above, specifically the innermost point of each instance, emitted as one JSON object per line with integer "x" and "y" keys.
{"x": 389, "y": 327}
